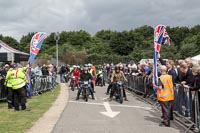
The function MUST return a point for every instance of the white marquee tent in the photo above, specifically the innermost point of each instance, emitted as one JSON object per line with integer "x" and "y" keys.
{"x": 9, "y": 54}
{"x": 196, "y": 58}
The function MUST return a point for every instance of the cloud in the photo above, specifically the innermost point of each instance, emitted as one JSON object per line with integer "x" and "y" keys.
{"x": 20, "y": 17}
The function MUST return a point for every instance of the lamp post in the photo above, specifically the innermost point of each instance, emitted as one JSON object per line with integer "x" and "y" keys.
{"x": 56, "y": 38}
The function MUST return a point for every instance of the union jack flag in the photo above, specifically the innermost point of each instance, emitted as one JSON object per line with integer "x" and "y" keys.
{"x": 160, "y": 35}
{"x": 35, "y": 45}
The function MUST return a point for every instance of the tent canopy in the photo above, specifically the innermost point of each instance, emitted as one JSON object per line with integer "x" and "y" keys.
{"x": 196, "y": 58}
{"x": 10, "y": 54}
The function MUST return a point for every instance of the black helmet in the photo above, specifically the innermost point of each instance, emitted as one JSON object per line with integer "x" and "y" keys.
{"x": 117, "y": 68}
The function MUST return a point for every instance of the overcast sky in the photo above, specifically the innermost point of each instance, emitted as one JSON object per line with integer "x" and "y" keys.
{"x": 18, "y": 17}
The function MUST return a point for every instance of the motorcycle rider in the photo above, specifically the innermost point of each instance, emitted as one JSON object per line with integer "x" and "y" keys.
{"x": 76, "y": 74}
{"x": 92, "y": 72}
{"x": 99, "y": 72}
{"x": 117, "y": 76}
{"x": 62, "y": 73}
{"x": 85, "y": 76}
{"x": 110, "y": 84}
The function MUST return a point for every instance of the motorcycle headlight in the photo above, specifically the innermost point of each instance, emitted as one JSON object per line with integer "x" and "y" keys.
{"x": 119, "y": 83}
{"x": 85, "y": 82}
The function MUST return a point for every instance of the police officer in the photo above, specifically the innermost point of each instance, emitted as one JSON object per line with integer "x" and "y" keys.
{"x": 85, "y": 76}
{"x": 18, "y": 80}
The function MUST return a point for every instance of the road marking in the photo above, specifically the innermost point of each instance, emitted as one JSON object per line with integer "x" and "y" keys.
{"x": 131, "y": 106}
{"x": 113, "y": 105}
{"x": 95, "y": 98}
{"x": 106, "y": 98}
{"x": 91, "y": 103}
{"x": 109, "y": 111}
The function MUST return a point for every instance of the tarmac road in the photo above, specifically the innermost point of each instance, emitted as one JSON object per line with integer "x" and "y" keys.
{"x": 133, "y": 116}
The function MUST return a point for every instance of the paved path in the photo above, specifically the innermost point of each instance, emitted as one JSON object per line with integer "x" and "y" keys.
{"x": 86, "y": 117}
{"x": 47, "y": 122}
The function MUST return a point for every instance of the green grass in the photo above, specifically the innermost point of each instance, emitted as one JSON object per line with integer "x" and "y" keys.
{"x": 20, "y": 121}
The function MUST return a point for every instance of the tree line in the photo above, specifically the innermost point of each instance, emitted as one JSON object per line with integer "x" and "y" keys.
{"x": 113, "y": 46}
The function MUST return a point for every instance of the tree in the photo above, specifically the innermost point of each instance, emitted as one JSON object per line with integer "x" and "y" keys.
{"x": 120, "y": 44}
{"x": 11, "y": 42}
{"x": 24, "y": 44}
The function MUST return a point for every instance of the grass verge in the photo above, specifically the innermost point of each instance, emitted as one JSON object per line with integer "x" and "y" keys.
{"x": 19, "y": 122}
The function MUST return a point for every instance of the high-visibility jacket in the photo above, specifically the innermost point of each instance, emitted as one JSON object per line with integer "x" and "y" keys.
{"x": 167, "y": 93}
{"x": 18, "y": 79}
{"x": 8, "y": 78}
{"x": 91, "y": 72}
{"x": 70, "y": 69}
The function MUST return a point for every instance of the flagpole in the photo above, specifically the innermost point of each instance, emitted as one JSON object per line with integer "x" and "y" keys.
{"x": 56, "y": 37}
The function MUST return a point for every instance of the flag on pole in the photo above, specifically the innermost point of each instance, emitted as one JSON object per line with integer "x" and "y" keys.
{"x": 160, "y": 35}
{"x": 35, "y": 45}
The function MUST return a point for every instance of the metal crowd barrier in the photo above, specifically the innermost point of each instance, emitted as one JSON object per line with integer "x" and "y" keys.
{"x": 186, "y": 102}
{"x": 2, "y": 90}
{"x": 39, "y": 84}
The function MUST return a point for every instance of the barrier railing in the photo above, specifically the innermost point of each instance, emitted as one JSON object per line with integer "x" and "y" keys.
{"x": 186, "y": 102}
{"x": 39, "y": 84}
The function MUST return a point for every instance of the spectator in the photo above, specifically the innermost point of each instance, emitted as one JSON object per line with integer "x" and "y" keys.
{"x": 38, "y": 70}
{"x": 188, "y": 62}
{"x": 185, "y": 78}
{"x": 195, "y": 87}
{"x": 44, "y": 70}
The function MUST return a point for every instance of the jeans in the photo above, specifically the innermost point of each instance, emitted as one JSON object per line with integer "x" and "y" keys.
{"x": 62, "y": 79}
{"x": 29, "y": 89}
{"x": 184, "y": 99}
{"x": 53, "y": 80}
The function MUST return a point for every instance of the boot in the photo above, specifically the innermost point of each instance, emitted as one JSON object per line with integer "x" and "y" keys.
{"x": 77, "y": 98}
{"x": 126, "y": 99}
{"x": 93, "y": 96}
